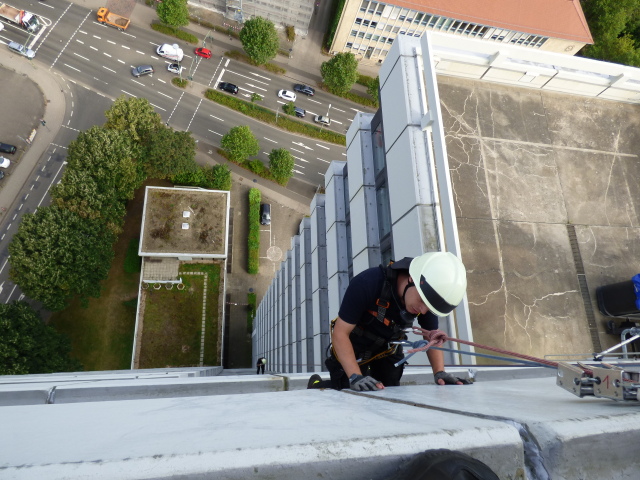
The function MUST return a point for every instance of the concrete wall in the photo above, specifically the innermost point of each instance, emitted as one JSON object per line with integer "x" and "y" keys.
{"x": 515, "y": 420}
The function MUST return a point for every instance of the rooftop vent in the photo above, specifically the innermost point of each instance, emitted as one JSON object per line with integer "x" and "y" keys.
{"x": 186, "y": 214}
{"x": 185, "y": 226}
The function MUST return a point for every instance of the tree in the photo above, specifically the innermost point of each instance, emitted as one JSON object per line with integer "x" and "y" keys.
{"x": 260, "y": 40}
{"x": 101, "y": 175}
{"x": 340, "y": 73}
{"x": 289, "y": 108}
{"x": 173, "y": 12}
{"x": 170, "y": 153}
{"x": 281, "y": 164}
{"x": 27, "y": 345}
{"x": 615, "y": 29}
{"x": 373, "y": 89}
{"x": 218, "y": 177}
{"x": 134, "y": 116}
{"x": 240, "y": 144}
{"x": 57, "y": 254}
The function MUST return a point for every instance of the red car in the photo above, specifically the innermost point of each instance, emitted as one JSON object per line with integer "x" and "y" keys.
{"x": 203, "y": 52}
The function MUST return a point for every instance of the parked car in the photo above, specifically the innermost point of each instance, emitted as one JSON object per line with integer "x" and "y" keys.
{"x": 300, "y": 112}
{"x": 4, "y": 162}
{"x": 175, "y": 68}
{"x": 322, "y": 120}
{"x": 21, "y": 50}
{"x": 203, "y": 52}
{"x": 228, "y": 87}
{"x": 287, "y": 95}
{"x": 265, "y": 214}
{"x": 306, "y": 89}
{"x": 6, "y": 148}
{"x": 142, "y": 70}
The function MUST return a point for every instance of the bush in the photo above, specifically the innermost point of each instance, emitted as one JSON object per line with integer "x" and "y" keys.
{"x": 267, "y": 116}
{"x": 180, "y": 82}
{"x": 132, "y": 261}
{"x": 245, "y": 58}
{"x": 365, "y": 80}
{"x": 175, "y": 32}
{"x": 291, "y": 32}
{"x": 255, "y": 97}
{"x": 253, "y": 244}
{"x": 289, "y": 108}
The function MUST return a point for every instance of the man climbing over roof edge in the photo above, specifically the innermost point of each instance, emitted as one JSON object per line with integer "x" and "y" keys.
{"x": 378, "y": 305}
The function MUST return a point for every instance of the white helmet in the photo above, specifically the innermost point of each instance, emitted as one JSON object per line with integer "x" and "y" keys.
{"x": 441, "y": 281}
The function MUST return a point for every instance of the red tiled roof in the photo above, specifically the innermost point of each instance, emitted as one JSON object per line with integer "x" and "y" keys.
{"x": 551, "y": 18}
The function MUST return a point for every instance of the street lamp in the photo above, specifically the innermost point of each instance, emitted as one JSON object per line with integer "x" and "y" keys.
{"x": 328, "y": 110}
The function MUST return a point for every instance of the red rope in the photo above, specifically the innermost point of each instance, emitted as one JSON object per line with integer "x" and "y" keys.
{"x": 437, "y": 337}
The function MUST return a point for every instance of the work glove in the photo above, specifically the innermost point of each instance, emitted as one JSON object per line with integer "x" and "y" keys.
{"x": 449, "y": 379}
{"x": 360, "y": 383}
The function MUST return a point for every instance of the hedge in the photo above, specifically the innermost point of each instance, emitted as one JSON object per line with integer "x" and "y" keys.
{"x": 253, "y": 260}
{"x": 175, "y": 32}
{"x": 268, "y": 116}
{"x": 251, "y": 310}
{"x": 132, "y": 261}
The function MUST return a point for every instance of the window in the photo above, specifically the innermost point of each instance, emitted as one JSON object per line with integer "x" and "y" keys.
{"x": 360, "y": 34}
{"x": 358, "y": 21}
{"x": 380, "y": 9}
{"x": 376, "y": 38}
{"x": 368, "y": 36}
{"x": 402, "y": 18}
{"x": 349, "y": 45}
{"x": 353, "y": 33}
{"x": 396, "y": 29}
{"x": 419, "y": 17}
{"x": 389, "y": 40}
{"x": 388, "y": 28}
{"x": 363, "y": 6}
{"x": 365, "y": 23}
{"x": 373, "y": 24}
{"x": 372, "y": 7}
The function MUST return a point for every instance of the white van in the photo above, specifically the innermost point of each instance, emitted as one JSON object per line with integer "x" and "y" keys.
{"x": 172, "y": 52}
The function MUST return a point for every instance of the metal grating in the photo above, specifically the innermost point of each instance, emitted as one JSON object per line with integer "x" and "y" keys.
{"x": 584, "y": 289}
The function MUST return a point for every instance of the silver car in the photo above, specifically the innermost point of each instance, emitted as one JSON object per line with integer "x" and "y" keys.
{"x": 142, "y": 70}
{"x": 22, "y": 50}
{"x": 322, "y": 120}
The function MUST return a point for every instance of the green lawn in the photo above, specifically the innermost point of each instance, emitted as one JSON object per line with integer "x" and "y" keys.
{"x": 173, "y": 321}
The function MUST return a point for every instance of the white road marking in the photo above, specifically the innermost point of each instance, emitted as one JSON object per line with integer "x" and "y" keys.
{"x": 80, "y": 41}
{"x": 171, "y": 98}
{"x": 141, "y": 53}
{"x": 78, "y": 55}
{"x": 124, "y": 46}
{"x": 95, "y": 36}
{"x": 322, "y": 146}
{"x": 339, "y": 110}
{"x": 354, "y": 109}
{"x": 301, "y": 159}
{"x": 315, "y": 101}
{"x": 216, "y": 118}
{"x": 266, "y": 78}
{"x": 215, "y": 132}
{"x": 244, "y": 76}
{"x": 259, "y": 88}
{"x": 296, "y": 150}
{"x": 130, "y": 94}
{"x": 72, "y": 68}
{"x": 139, "y": 83}
{"x": 269, "y": 140}
{"x": 311, "y": 113}
{"x": 105, "y": 53}
{"x": 300, "y": 144}
{"x": 156, "y": 106}
{"x": 121, "y": 61}
{"x": 107, "y": 68}
{"x": 111, "y": 42}
{"x": 336, "y": 121}
{"x": 93, "y": 48}
{"x": 323, "y": 160}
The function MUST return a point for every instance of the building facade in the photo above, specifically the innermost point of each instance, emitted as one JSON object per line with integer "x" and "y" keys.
{"x": 281, "y": 12}
{"x": 367, "y": 28}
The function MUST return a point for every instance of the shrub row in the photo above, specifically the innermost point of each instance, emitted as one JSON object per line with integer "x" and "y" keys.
{"x": 253, "y": 242}
{"x": 268, "y": 116}
{"x": 336, "y": 13}
{"x": 175, "y": 32}
{"x": 132, "y": 261}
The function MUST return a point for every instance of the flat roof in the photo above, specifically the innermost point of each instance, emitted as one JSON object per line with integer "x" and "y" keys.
{"x": 550, "y": 18}
{"x": 184, "y": 221}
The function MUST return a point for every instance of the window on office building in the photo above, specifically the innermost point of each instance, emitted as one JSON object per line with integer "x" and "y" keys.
{"x": 418, "y": 18}
{"x": 376, "y": 38}
{"x": 372, "y": 7}
{"x": 349, "y": 45}
{"x": 358, "y": 21}
{"x": 360, "y": 34}
{"x": 380, "y": 9}
{"x": 368, "y": 36}
{"x": 363, "y": 5}
{"x": 354, "y": 33}
{"x": 365, "y": 23}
